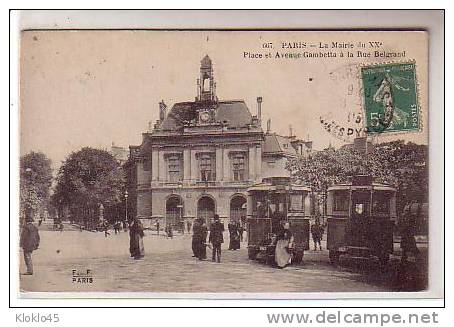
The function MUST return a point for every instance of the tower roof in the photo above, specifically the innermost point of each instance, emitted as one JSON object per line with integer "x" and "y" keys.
{"x": 206, "y": 62}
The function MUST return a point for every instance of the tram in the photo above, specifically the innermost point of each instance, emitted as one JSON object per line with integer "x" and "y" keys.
{"x": 361, "y": 216}
{"x": 270, "y": 204}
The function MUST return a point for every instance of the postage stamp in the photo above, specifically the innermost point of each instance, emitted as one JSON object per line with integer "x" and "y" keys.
{"x": 390, "y": 98}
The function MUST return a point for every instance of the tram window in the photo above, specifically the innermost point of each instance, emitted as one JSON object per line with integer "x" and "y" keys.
{"x": 341, "y": 201}
{"x": 259, "y": 206}
{"x": 272, "y": 208}
{"x": 296, "y": 202}
{"x": 381, "y": 202}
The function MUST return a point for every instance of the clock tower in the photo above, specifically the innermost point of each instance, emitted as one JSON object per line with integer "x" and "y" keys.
{"x": 206, "y": 86}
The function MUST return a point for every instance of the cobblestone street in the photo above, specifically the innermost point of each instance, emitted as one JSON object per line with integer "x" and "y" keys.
{"x": 168, "y": 266}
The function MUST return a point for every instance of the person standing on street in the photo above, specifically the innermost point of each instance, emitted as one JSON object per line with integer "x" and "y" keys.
{"x": 317, "y": 234}
{"x": 117, "y": 226}
{"x": 136, "y": 235}
{"x": 29, "y": 242}
{"x": 241, "y": 231}
{"x": 202, "y": 243}
{"x": 407, "y": 227}
{"x": 105, "y": 225}
{"x": 169, "y": 231}
{"x": 284, "y": 246}
{"x": 188, "y": 225}
{"x": 158, "y": 226}
{"x": 234, "y": 243}
{"x": 195, "y": 236}
{"x": 216, "y": 238}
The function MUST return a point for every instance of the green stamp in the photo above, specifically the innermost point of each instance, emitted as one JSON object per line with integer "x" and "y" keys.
{"x": 390, "y": 98}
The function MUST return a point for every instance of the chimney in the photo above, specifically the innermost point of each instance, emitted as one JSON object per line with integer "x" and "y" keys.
{"x": 268, "y": 126}
{"x": 290, "y": 131}
{"x": 162, "y": 110}
{"x": 259, "y": 109}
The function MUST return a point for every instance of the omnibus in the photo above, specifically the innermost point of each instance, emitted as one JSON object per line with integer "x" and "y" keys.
{"x": 361, "y": 216}
{"x": 269, "y": 205}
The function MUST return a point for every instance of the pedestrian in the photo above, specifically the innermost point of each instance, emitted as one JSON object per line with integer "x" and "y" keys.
{"x": 169, "y": 230}
{"x": 158, "y": 226}
{"x": 317, "y": 234}
{"x": 29, "y": 242}
{"x": 57, "y": 222}
{"x": 216, "y": 238}
{"x": 234, "y": 243}
{"x": 136, "y": 235}
{"x": 230, "y": 229}
{"x": 407, "y": 227}
{"x": 203, "y": 241}
{"x": 198, "y": 239}
{"x": 105, "y": 225}
{"x": 188, "y": 225}
{"x": 117, "y": 226}
{"x": 284, "y": 246}
{"x": 241, "y": 231}
{"x": 237, "y": 242}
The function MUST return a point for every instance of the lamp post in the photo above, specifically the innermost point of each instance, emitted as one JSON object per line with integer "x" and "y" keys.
{"x": 180, "y": 220}
{"x": 126, "y": 200}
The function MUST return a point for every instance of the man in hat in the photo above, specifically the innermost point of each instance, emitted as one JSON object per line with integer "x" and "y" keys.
{"x": 29, "y": 241}
{"x": 216, "y": 238}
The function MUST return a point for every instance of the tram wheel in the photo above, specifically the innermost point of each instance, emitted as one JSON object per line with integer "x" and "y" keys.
{"x": 334, "y": 257}
{"x": 252, "y": 254}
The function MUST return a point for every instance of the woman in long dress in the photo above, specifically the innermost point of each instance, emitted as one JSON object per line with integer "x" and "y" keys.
{"x": 136, "y": 234}
{"x": 234, "y": 243}
{"x": 284, "y": 244}
{"x": 235, "y": 237}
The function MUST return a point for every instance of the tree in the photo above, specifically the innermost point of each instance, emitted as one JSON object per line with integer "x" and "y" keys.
{"x": 35, "y": 182}
{"x": 87, "y": 179}
{"x": 400, "y": 164}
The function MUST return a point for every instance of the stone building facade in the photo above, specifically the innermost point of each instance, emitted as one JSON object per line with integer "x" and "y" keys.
{"x": 201, "y": 156}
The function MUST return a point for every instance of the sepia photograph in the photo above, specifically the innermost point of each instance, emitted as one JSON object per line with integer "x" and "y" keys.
{"x": 214, "y": 162}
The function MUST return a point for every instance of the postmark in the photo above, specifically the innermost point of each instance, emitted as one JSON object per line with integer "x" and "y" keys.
{"x": 390, "y": 98}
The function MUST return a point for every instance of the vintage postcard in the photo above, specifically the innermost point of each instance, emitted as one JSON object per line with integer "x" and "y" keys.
{"x": 160, "y": 162}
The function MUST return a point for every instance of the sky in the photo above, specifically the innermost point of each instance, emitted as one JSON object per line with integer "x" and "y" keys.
{"x": 92, "y": 88}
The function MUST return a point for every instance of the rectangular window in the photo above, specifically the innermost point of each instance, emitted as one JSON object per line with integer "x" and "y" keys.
{"x": 238, "y": 167}
{"x": 341, "y": 200}
{"x": 206, "y": 167}
{"x": 381, "y": 202}
{"x": 174, "y": 168}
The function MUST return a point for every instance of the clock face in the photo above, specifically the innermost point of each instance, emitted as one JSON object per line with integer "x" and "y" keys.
{"x": 205, "y": 116}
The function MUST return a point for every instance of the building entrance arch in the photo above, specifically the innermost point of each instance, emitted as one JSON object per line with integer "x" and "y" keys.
{"x": 174, "y": 210}
{"x": 238, "y": 204}
{"x": 206, "y": 208}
